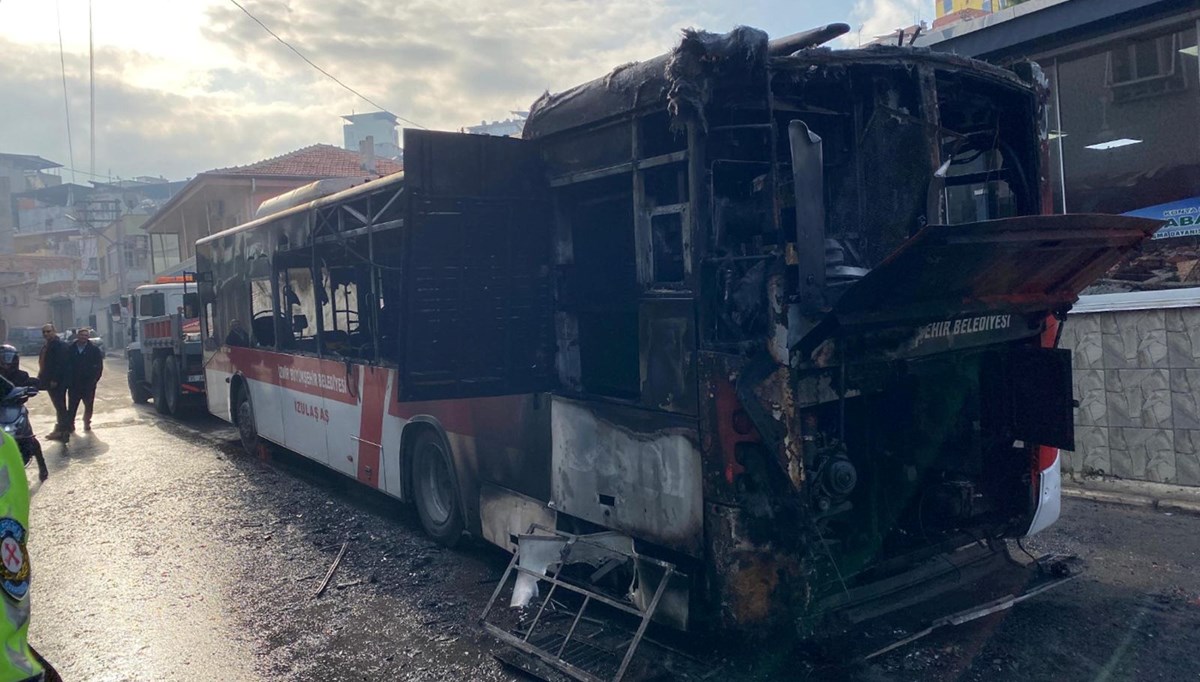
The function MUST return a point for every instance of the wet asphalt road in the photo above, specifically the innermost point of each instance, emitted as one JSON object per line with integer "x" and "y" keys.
{"x": 162, "y": 552}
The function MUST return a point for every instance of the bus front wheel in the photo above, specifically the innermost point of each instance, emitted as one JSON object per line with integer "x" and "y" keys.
{"x": 435, "y": 491}
{"x": 247, "y": 431}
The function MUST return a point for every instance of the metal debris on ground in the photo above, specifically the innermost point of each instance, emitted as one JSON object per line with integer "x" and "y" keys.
{"x": 329, "y": 576}
{"x": 559, "y": 634}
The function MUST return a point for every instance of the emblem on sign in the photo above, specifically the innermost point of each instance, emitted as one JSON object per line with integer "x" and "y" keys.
{"x": 14, "y": 564}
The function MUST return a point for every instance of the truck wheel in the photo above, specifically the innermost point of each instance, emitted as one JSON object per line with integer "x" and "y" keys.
{"x": 435, "y": 490}
{"x": 137, "y": 390}
{"x": 156, "y": 385}
{"x": 171, "y": 386}
{"x": 247, "y": 431}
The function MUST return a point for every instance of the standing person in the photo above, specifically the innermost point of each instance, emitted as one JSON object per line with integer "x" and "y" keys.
{"x": 54, "y": 375}
{"x": 87, "y": 364}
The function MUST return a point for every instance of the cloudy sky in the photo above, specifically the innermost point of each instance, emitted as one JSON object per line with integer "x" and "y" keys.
{"x": 183, "y": 86}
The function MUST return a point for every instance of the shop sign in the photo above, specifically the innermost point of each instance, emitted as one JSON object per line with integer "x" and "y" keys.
{"x": 1182, "y": 218}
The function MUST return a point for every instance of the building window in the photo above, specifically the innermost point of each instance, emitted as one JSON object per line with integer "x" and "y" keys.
{"x": 164, "y": 251}
{"x": 947, "y": 6}
{"x": 1147, "y": 68}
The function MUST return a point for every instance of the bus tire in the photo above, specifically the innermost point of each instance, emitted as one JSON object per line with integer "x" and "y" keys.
{"x": 156, "y": 386}
{"x": 247, "y": 430}
{"x": 171, "y": 386}
{"x": 435, "y": 490}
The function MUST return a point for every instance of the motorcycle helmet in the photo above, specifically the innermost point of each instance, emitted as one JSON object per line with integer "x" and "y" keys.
{"x": 10, "y": 360}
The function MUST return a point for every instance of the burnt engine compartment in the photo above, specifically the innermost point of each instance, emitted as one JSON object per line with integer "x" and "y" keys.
{"x": 918, "y": 453}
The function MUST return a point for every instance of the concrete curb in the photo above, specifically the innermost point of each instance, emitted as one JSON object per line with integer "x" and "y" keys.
{"x": 1131, "y": 500}
{"x": 1178, "y": 506}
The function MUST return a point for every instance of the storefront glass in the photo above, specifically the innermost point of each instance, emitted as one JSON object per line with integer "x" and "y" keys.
{"x": 1130, "y": 143}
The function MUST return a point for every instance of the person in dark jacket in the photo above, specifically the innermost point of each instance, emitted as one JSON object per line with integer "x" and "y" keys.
{"x": 10, "y": 367}
{"x": 87, "y": 365}
{"x": 54, "y": 375}
{"x": 10, "y": 371}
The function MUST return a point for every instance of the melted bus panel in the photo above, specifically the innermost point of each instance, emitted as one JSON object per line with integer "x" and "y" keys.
{"x": 822, "y": 271}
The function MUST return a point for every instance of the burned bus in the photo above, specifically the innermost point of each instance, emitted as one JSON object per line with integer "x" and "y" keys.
{"x": 780, "y": 317}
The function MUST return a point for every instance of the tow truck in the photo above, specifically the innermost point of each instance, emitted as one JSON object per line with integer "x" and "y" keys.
{"x": 165, "y": 355}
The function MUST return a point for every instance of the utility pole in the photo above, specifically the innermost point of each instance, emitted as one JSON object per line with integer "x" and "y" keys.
{"x": 92, "y": 93}
{"x": 120, "y": 245}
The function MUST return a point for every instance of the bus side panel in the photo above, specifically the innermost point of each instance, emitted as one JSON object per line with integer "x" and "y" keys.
{"x": 633, "y": 470}
{"x": 265, "y": 397}
{"x": 289, "y": 394}
{"x": 355, "y": 421}
{"x": 391, "y": 464}
{"x": 218, "y": 375}
{"x": 340, "y": 417}
{"x": 305, "y": 386}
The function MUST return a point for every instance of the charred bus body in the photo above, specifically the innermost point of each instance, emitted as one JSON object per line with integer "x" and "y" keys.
{"x": 807, "y": 312}
{"x": 779, "y": 316}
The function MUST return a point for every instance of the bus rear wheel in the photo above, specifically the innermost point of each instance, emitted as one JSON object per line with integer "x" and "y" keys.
{"x": 435, "y": 491}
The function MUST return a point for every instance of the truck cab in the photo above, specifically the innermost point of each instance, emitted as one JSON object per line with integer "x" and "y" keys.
{"x": 165, "y": 343}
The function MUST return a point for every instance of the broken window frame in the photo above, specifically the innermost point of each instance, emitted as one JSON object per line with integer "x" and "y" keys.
{"x": 287, "y": 279}
{"x": 656, "y": 280}
{"x": 262, "y": 300}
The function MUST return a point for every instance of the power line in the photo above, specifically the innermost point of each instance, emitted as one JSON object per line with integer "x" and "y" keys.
{"x": 83, "y": 172}
{"x": 62, "y": 60}
{"x": 310, "y": 63}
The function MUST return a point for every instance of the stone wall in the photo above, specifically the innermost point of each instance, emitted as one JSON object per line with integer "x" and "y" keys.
{"x": 1136, "y": 375}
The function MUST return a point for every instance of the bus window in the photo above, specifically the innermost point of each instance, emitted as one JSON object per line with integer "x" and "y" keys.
{"x": 298, "y": 306}
{"x": 605, "y": 284}
{"x": 342, "y": 331}
{"x": 977, "y": 187}
{"x": 667, "y": 247}
{"x": 262, "y": 314}
{"x": 387, "y": 284}
{"x": 209, "y": 325}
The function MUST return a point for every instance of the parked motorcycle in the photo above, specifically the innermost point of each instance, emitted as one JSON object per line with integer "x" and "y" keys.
{"x": 14, "y": 420}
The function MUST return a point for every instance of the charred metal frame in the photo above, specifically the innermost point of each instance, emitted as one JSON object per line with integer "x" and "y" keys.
{"x": 762, "y": 302}
{"x": 556, "y": 658}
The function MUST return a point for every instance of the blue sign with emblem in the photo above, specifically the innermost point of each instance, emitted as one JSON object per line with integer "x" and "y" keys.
{"x": 14, "y": 563}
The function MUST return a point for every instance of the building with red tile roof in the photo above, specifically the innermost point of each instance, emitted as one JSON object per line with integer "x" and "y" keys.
{"x": 315, "y": 162}
{"x": 224, "y": 197}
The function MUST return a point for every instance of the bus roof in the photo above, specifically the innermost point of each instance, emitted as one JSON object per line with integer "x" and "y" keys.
{"x": 344, "y": 195}
{"x": 654, "y": 83}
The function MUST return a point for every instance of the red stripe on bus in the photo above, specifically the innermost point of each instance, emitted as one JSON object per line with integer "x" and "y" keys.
{"x": 328, "y": 379}
{"x": 501, "y": 420}
{"x": 370, "y": 425}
